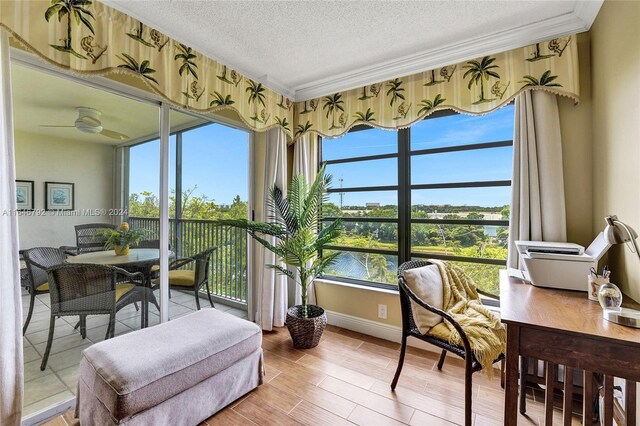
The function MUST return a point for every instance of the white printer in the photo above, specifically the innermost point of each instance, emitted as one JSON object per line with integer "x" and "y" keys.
{"x": 560, "y": 265}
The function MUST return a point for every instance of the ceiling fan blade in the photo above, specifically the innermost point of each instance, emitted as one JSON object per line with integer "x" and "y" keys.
{"x": 44, "y": 125}
{"x": 114, "y": 135}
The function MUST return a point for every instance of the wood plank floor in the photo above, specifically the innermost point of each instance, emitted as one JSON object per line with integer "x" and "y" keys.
{"x": 345, "y": 380}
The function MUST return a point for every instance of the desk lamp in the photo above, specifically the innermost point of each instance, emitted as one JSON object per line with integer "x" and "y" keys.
{"x": 610, "y": 296}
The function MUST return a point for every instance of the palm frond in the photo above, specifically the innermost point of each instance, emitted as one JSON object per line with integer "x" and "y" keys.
{"x": 296, "y": 193}
{"x": 329, "y": 234}
{"x": 281, "y": 208}
{"x": 282, "y": 271}
{"x": 294, "y": 226}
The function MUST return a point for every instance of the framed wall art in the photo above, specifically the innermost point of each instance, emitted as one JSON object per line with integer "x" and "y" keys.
{"x": 24, "y": 194}
{"x": 59, "y": 196}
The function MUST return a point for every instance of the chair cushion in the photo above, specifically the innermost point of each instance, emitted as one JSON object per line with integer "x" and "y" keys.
{"x": 180, "y": 277}
{"x": 122, "y": 289}
{"x": 43, "y": 287}
{"x": 139, "y": 370}
{"x": 426, "y": 283}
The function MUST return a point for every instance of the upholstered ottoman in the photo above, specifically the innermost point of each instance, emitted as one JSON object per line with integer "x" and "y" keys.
{"x": 177, "y": 373}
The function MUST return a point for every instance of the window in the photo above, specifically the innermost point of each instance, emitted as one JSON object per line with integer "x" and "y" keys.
{"x": 440, "y": 189}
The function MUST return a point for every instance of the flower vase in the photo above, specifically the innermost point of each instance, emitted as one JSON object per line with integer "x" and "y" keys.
{"x": 121, "y": 250}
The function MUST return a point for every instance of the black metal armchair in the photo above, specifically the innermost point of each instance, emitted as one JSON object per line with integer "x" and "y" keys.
{"x": 190, "y": 279}
{"x": 409, "y": 328}
{"x": 37, "y": 260}
{"x": 86, "y": 289}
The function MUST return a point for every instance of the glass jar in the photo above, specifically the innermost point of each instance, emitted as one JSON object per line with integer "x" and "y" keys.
{"x": 610, "y": 297}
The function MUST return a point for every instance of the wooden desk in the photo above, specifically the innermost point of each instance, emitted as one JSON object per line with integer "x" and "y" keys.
{"x": 565, "y": 328}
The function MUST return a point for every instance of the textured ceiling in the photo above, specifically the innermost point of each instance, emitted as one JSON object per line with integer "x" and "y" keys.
{"x": 300, "y": 43}
{"x": 56, "y": 99}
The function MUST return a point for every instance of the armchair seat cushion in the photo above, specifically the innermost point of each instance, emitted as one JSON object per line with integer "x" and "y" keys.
{"x": 122, "y": 289}
{"x": 43, "y": 287}
{"x": 180, "y": 278}
{"x": 426, "y": 283}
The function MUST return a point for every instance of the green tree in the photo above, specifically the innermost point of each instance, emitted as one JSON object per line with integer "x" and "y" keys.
{"x": 144, "y": 204}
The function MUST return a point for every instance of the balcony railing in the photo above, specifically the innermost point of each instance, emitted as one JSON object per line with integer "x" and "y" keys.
{"x": 228, "y": 266}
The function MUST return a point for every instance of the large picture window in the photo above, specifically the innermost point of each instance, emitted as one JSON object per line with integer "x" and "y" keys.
{"x": 440, "y": 189}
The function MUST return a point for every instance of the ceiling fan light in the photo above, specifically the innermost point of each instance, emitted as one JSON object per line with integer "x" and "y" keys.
{"x": 83, "y": 126}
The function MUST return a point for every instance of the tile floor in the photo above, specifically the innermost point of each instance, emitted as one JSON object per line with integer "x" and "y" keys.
{"x": 57, "y": 382}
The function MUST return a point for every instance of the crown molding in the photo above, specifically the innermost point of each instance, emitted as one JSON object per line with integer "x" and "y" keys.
{"x": 266, "y": 80}
{"x": 587, "y": 11}
{"x": 577, "y": 21}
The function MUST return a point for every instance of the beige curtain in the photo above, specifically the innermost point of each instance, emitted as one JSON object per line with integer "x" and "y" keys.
{"x": 305, "y": 162}
{"x": 269, "y": 168}
{"x": 537, "y": 197}
{"x": 11, "y": 368}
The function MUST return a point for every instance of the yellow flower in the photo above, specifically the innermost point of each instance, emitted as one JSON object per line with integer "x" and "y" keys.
{"x": 124, "y": 226}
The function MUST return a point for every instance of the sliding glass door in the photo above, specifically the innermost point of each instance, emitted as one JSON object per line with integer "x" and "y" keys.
{"x": 71, "y": 169}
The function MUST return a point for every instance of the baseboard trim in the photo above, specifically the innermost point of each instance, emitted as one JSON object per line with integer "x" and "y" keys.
{"x": 376, "y": 329}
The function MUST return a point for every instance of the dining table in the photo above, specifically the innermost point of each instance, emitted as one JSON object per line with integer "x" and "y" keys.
{"x": 137, "y": 260}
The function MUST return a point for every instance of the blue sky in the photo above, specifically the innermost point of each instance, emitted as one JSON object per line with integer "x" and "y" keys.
{"x": 214, "y": 157}
{"x": 464, "y": 166}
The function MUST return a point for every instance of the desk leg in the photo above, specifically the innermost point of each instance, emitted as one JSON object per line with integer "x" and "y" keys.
{"x": 511, "y": 388}
{"x": 630, "y": 402}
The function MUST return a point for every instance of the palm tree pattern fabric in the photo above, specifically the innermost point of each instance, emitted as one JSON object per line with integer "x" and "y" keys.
{"x": 88, "y": 37}
{"x": 475, "y": 86}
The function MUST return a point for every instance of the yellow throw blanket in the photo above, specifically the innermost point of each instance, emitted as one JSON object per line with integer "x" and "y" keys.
{"x": 486, "y": 334}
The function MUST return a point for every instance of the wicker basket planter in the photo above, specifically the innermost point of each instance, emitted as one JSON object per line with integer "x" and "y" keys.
{"x": 306, "y": 332}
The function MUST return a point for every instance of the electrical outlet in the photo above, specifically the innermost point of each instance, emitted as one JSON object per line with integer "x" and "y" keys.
{"x": 382, "y": 311}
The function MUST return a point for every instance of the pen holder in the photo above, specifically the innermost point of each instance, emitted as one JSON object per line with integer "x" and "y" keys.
{"x": 594, "y": 286}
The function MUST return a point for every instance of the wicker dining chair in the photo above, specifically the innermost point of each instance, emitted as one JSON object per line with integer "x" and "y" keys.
{"x": 409, "y": 328}
{"x": 151, "y": 244}
{"x": 90, "y": 237}
{"x": 190, "y": 279}
{"x": 38, "y": 280}
{"x": 87, "y": 289}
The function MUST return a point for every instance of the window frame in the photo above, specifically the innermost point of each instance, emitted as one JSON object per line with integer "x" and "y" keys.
{"x": 404, "y": 154}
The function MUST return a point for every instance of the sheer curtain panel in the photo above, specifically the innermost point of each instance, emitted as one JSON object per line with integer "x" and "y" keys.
{"x": 11, "y": 369}
{"x": 537, "y": 188}
{"x": 269, "y": 168}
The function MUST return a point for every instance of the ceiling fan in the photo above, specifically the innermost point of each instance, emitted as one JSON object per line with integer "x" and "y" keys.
{"x": 88, "y": 121}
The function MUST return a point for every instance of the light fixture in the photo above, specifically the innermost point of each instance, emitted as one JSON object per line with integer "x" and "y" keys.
{"x": 618, "y": 232}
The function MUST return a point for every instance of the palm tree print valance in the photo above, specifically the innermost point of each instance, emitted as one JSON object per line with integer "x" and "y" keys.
{"x": 88, "y": 37}
{"x": 477, "y": 86}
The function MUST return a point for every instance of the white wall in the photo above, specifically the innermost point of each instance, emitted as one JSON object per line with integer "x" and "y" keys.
{"x": 88, "y": 165}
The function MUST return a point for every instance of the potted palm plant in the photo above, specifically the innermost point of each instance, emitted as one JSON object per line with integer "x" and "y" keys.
{"x": 294, "y": 222}
{"x": 122, "y": 238}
